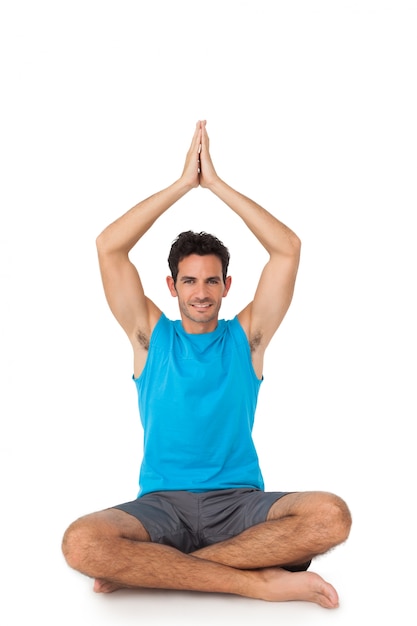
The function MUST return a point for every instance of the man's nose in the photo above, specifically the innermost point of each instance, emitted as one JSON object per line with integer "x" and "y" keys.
{"x": 201, "y": 291}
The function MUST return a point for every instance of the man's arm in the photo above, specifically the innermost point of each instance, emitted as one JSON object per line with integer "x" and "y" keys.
{"x": 136, "y": 313}
{"x": 261, "y": 318}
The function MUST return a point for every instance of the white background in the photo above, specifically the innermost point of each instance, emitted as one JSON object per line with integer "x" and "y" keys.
{"x": 311, "y": 109}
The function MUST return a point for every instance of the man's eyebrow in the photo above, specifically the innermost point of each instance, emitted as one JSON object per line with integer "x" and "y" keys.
{"x": 194, "y": 278}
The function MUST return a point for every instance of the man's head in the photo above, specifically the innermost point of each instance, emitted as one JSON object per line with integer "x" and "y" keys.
{"x": 198, "y": 263}
{"x": 188, "y": 243}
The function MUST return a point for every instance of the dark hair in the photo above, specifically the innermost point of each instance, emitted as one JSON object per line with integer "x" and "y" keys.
{"x": 202, "y": 244}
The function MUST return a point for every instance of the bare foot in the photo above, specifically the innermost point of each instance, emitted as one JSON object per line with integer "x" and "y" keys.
{"x": 279, "y": 585}
{"x": 272, "y": 583}
{"x": 105, "y": 586}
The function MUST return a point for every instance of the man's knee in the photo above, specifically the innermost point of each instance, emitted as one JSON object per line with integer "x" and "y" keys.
{"x": 83, "y": 538}
{"x": 325, "y": 511}
{"x": 77, "y": 540}
{"x": 337, "y": 515}
{"x": 330, "y": 515}
{"x": 86, "y": 540}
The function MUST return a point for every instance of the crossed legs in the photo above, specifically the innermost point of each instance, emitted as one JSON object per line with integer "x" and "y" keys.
{"x": 114, "y": 548}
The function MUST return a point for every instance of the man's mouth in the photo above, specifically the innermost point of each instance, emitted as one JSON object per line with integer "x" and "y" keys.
{"x": 199, "y": 305}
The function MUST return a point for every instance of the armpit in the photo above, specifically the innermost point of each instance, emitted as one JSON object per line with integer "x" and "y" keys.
{"x": 143, "y": 340}
{"x": 255, "y": 341}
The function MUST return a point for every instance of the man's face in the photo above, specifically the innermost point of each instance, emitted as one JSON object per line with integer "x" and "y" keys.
{"x": 199, "y": 289}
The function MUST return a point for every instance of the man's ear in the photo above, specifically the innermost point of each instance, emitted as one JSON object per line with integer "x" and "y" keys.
{"x": 227, "y": 285}
{"x": 171, "y": 286}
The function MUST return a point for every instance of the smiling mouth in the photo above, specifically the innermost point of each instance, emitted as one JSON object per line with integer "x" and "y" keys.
{"x": 204, "y": 306}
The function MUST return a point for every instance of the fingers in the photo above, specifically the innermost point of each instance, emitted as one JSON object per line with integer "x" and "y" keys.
{"x": 196, "y": 144}
{"x": 192, "y": 171}
{"x": 196, "y": 141}
{"x": 204, "y": 136}
{"x": 200, "y": 128}
{"x": 192, "y": 167}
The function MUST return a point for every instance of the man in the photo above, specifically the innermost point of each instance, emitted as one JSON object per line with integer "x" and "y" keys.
{"x": 202, "y": 520}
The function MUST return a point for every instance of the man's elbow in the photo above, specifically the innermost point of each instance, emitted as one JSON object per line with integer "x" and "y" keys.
{"x": 295, "y": 245}
{"x": 101, "y": 243}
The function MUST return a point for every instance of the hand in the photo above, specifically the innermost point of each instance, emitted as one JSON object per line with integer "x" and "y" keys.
{"x": 208, "y": 174}
{"x": 191, "y": 172}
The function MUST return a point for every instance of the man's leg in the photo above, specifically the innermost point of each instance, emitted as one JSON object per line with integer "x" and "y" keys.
{"x": 299, "y": 526}
{"x": 114, "y": 548}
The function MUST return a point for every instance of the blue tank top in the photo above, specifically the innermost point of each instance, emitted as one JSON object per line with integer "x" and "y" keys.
{"x": 197, "y": 398}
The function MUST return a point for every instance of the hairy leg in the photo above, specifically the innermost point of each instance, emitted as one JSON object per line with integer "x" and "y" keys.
{"x": 299, "y": 526}
{"x": 114, "y": 548}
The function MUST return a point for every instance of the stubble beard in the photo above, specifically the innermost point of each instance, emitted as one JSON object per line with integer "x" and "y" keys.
{"x": 200, "y": 318}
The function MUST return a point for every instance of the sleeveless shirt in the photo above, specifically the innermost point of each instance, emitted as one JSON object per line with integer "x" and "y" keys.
{"x": 197, "y": 396}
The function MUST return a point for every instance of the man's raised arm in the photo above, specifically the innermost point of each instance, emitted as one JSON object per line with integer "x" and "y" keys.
{"x": 122, "y": 285}
{"x": 261, "y": 318}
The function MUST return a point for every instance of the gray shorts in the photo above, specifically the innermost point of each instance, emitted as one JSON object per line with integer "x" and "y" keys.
{"x": 189, "y": 521}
